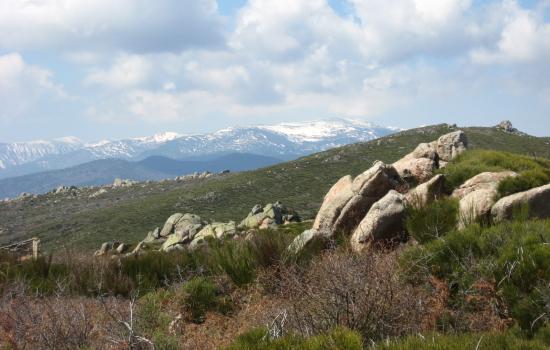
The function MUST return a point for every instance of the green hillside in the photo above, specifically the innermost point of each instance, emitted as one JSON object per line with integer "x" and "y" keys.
{"x": 128, "y": 213}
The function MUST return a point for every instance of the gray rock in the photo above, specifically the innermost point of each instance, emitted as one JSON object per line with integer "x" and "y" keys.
{"x": 424, "y": 193}
{"x": 348, "y": 201}
{"x": 304, "y": 240}
{"x": 537, "y": 200}
{"x": 506, "y": 126}
{"x": 170, "y": 224}
{"x": 451, "y": 145}
{"x": 384, "y": 221}
{"x": 477, "y": 196}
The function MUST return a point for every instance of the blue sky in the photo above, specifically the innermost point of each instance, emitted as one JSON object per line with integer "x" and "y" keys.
{"x": 102, "y": 69}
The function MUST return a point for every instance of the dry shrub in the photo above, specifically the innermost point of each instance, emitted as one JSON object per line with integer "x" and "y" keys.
{"x": 62, "y": 321}
{"x": 28, "y": 322}
{"x": 360, "y": 292}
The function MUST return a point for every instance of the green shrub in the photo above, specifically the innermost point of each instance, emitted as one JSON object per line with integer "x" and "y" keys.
{"x": 337, "y": 339}
{"x": 426, "y": 223}
{"x": 236, "y": 260}
{"x": 484, "y": 341}
{"x": 513, "y": 254}
{"x": 199, "y": 297}
{"x": 473, "y": 162}
{"x": 526, "y": 180}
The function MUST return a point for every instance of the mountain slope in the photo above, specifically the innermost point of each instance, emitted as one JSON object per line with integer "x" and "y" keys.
{"x": 128, "y": 213}
{"x": 104, "y": 171}
{"x": 284, "y": 141}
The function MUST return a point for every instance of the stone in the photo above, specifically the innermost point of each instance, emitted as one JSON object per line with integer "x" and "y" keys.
{"x": 451, "y": 145}
{"x": 485, "y": 180}
{"x": 348, "y": 201}
{"x": 506, "y": 126}
{"x": 274, "y": 211}
{"x": 477, "y": 196}
{"x": 169, "y": 225}
{"x": 256, "y": 209}
{"x": 305, "y": 239}
{"x": 425, "y": 193}
{"x": 188, "y": 226}
{"x": 335, "y": 200}
{"x": 216, "y": 230}
{"x": 536, "y": 199}
{"x": 383, "y": 222}
{"x": 420, "y": 169}
{"x": 121, "y": 248}
{"x": 104, "y": 249}
{"x": 170, "y": 243}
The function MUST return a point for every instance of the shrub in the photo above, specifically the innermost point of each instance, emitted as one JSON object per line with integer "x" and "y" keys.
{"x": 236, "y": 260}
{"x": 473, "y": 162}
{"x": 199, "y": 297}
{"x": 338, "y": 338}
{"x": 526, "y": 180}
{"x": 426, "y": 223}
{"x": 484, "y": 341}
{"x": 514, "y": 255}
{"x": 363, "y": 293}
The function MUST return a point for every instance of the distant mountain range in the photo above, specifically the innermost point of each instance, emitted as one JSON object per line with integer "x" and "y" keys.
{"x": 282, "y": 141}
{"x": 104, "y": 171}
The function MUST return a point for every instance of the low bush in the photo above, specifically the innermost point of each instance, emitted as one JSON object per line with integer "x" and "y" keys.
{"x": 425, "y": 223}
{"x": 338, "y": 338}
{"x": 483, "y": 341}
{"x": 526, "y": 180}
{"x": 513, "y": 256}
{"x": 199, "y": 297}
{"x": 533, "y": 172}
{"x": 362, "y": 292}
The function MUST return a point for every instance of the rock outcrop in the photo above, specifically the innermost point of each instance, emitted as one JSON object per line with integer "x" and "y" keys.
{"x": 270, "y": 216}
{"x": 425, "y": 193}
{"x": 217, "y": 230}
{"x": 451, "y": 145}
{"x": 383, "y": 222}
{"x": 537, "y": 201}
{"x": 369, "y": 209}
{"x": 477, "y": 196}
{"x": 507, "y": 126}
{"x": 348, "y": 201}
{"x": 421, "y": 163}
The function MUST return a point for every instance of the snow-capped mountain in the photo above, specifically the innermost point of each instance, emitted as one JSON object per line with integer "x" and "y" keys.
{"x": 283, "y": 141}
{"x": 17, "y": 153}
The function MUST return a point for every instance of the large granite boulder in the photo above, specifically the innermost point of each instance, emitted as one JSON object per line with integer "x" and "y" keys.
{"x": 188, "y": 226}
{"x": 269, "y": 216}
{"x": 170, "y": 224}
{"x": 537, "y": 200}
{"x": 478, "y": 195}
{"x": 348, "y": 201}
{"x": 425, "y": 193}
{"x": 383, "y": 222}
{"x": 420, "y": 164}
{"x": 451, "y": 145}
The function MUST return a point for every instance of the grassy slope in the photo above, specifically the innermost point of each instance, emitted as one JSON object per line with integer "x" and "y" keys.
{"x": 129, "y": 213}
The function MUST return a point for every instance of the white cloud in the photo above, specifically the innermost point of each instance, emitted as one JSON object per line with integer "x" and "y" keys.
{"x": 135, "y": 26}
{"x": 523, "y": 37}
{"x": 22, "y": 86}
{"x": 127, "y": 71}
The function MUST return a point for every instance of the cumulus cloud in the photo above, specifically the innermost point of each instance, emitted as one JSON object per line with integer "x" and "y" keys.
{"x": 167, "y": 61}
{"x": 134, "y": 26}
{"x": 24, "y": 86}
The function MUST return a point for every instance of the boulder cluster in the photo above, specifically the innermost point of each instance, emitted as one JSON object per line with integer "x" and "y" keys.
{"x": 371, "y": 207}
{"x": 188, "y": 231}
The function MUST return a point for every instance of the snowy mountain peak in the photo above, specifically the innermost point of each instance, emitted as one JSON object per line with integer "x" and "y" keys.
{"x": 283, "y": 141}
{"x": 159, "y": 138}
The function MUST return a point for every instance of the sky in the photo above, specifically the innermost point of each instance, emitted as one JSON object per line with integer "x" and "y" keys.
{"x": 104, "y": 69}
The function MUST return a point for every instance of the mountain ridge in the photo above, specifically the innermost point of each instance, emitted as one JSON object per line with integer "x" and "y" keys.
{"x": 285, "y": 141}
